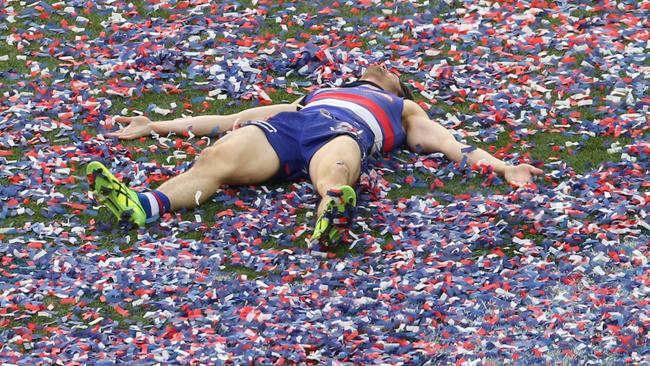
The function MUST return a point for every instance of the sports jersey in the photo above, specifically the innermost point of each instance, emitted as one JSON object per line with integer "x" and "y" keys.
{"x": 378, "y": 113}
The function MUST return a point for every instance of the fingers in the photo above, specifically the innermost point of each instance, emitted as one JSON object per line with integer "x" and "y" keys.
{"x": 128, "y": 137}
{"x": 123, "y": 134}
{"x": 116, "y": 133}
{"x": 521, "y": 175}
{"x": 517, "y": 184}
{"x": 536, "y": 171}
{"x": 122, "y": 119}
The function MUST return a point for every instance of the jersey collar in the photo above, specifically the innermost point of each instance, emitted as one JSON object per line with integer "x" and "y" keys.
{"x": 361, "y": 83}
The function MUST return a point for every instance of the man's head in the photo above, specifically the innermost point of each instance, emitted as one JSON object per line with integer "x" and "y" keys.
{"x": 387, "y": 80}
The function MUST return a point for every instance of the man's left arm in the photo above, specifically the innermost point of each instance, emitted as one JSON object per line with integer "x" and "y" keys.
{"x": 426, "y": 136}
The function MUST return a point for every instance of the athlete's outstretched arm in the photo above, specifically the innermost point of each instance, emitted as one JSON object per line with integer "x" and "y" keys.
{"x": 200, "y": 125}
{"x": 427, "y": 136}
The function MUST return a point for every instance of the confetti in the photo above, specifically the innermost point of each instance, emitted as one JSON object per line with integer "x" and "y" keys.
{"x": 539, "y": 275}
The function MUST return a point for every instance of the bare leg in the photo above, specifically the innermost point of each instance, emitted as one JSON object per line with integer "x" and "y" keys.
{"x": 243, "y": 156}
{"x": 335, "y": 164}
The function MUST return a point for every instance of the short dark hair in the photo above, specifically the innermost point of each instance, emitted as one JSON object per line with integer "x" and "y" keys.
{"x": 405, "y": 90}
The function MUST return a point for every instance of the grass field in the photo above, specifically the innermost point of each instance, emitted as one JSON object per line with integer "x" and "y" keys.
{"x": 448, "y": 265}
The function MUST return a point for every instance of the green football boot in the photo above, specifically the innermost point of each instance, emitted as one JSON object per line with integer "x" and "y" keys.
{"x": 337, "y": 217}
{"x": 121, "y": 200}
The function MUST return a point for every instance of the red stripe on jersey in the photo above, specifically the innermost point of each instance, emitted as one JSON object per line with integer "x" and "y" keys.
{"x": 376, "y": 110}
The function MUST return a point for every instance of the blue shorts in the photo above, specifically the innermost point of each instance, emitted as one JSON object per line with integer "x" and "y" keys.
{"x": 296, "y": 136}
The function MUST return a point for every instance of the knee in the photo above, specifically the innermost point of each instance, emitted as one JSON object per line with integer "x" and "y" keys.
{"x": 333, "y": 173}
{"x": 341, "y": 167}
{"x": 211, "y": 162}
{"x": 332, "y": 168}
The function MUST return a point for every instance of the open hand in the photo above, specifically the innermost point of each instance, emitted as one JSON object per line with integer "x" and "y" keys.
{"x": 520, "y": 175}
{"x": 136, "y": 127}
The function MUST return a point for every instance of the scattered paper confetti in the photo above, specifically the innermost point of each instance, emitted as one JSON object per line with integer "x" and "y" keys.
{"x": 544, "y": 274}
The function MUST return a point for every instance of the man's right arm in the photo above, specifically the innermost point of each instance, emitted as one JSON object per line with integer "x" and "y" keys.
{"x": 211, "y": 124}
{"x": 199, "y": 125}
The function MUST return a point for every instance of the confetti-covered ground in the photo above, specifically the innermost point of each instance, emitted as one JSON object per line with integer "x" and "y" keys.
{"x": 448, "y": 264}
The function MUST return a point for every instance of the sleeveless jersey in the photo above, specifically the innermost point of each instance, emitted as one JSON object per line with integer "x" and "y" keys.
{"x": 376, "y": 112}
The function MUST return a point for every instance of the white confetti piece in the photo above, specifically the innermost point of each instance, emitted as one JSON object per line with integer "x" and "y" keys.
{"x": 197, "y": 197}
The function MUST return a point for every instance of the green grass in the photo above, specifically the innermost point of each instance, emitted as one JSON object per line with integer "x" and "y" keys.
{"x": 542, "y": 146}
{"x": 583, "y": 13}
{"x": 13, "y": 63}
{"x": 250, "y": 273}
{"x": 53, "y": 309}
{"x": 554, "y": 22}
{"x": 589, "y": 156}
{"x": 189, "y": 92}
{"x": 135, "y": 315}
